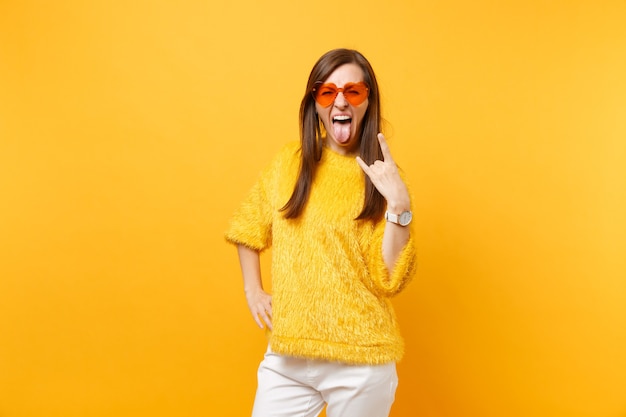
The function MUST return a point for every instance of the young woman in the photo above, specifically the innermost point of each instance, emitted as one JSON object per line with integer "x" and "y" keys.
{"x": 336, "y": 212}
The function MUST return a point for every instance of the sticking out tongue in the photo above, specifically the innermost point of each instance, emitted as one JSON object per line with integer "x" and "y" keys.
{"x": 341, "y": 131}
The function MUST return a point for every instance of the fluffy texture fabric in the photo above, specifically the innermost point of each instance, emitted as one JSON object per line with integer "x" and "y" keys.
{"x": 330, "y": 287}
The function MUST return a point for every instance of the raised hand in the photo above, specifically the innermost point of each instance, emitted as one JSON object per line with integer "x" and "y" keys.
{"x": 386, "y": 178}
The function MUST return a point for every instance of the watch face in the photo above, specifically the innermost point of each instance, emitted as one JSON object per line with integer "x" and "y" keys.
{"x": 405, "y": 218}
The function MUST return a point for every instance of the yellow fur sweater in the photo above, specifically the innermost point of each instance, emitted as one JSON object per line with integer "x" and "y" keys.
{"x": 330, "y": 287}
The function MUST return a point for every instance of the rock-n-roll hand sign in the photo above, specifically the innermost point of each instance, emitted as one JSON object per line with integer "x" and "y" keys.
{"x": 386, "y": 178}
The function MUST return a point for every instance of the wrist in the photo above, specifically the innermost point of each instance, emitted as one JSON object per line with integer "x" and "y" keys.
{"x": 402, "y": 219}
{"x": 397, "y": 207}
{"x": 251, "y": 289}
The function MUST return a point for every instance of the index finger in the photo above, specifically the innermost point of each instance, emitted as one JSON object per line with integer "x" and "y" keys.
{"x": 385, "y": 148}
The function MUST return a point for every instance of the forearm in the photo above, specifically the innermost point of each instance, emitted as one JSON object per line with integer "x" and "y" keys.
{"x": 250, "y": 263}
{"x": 259, "y": 302}
{"x": 395, "y": 236}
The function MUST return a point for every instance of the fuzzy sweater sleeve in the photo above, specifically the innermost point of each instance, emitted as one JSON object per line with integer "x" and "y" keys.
{"x": 380, "y": 280}
{"x": 251, "y": 224}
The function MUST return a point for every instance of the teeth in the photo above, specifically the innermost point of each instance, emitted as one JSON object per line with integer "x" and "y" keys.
{"x": 341, "y": 118}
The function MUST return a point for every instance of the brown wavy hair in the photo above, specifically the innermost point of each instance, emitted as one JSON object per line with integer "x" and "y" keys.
{"x": 312, "y": 140}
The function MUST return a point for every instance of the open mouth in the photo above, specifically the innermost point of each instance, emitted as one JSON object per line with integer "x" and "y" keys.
{"x": 342, "y": 119}
{"x": 341, "y": 127}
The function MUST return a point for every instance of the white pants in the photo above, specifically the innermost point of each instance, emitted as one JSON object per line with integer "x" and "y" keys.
{"x": 297, "y": 387}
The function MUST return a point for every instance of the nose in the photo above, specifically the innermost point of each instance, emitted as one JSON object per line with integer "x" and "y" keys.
{"x": 340, "y": 101}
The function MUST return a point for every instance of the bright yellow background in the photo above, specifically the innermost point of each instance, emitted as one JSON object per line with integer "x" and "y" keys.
{"x": 130, "y": 132}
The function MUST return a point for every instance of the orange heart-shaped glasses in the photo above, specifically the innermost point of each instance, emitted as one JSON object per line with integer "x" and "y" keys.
{"x": 354, "y": 93}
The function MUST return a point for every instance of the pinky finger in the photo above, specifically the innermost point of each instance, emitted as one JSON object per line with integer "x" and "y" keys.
{"x": 268, "y": 320}
{"x": 258, "y": 321}
{"x": 363, "y": 165}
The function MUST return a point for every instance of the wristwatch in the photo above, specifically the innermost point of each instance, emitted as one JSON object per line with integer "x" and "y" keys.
{"x": 403, "y": 219}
